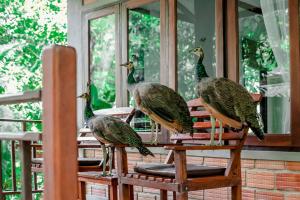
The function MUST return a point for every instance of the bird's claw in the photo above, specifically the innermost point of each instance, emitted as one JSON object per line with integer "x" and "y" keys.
{"x": 220, "y": 143}
{"x": 211, "y": 143}
{"x": 103, "y": 174}
{"x": 153, "y": 141}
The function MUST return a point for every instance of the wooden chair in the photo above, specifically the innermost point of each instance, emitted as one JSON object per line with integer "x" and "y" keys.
{"x": 92, "y": 176}
{"x": 180, "y": 177}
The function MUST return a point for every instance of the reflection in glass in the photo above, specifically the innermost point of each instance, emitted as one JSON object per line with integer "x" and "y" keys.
{"x": 195, "y": 27}
{"x": 144, "y": 49}
{"x": 102, "y": 62}
{"x": 264, "y": 49}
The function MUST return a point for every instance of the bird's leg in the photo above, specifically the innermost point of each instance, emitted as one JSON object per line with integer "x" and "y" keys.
{"x": 220, "y": 133}
{"x": 156, "y": 133}
{"x": 152, "y": 132}
{"x": 104, "y": 159}
{"x": 110, "y": 160}
{"x": 213, "y": 130}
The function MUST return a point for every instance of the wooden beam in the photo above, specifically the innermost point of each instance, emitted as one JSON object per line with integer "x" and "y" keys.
{"x": 25, "y": 150}
{"x": 219, "y": 27}
{"x": 2, "y": 197}
{"x": 163, "y": 43}
{"x": 21, "y": 97}
{"x": 59, "y": 116}
{"x": 232, "y": 44}
{"x": 294, "y": 70}
{"x": 21, "y": 136}
{"x": 173, "y": 44}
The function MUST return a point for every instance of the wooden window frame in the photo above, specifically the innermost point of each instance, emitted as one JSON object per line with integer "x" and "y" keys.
{"x": 289, "y": 142}
{"x": 125, "y": 38}
{"x": 227, "y": 50}
{"x": 227, "y": 59}
{"x": 163, "y": 137}
{"x": 86, "y": 46}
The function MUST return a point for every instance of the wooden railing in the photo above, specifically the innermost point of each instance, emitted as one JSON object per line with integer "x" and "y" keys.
{"x": 59, "y": 128}
{"x": 25, "y": 136}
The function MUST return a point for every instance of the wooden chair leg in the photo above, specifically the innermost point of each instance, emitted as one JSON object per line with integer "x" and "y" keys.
{"x": 124, "y": 192}
{"x": 122, "y": 167}
{"x": 236, "y": 192}
{"x": 181, "y": 173}
{"x": 163, "y": 195}
{"x": 182, "y": 196}
{"x": 131, "y": 192}
{"x": 112, "y": 192}
{"x": 82, "y": 190}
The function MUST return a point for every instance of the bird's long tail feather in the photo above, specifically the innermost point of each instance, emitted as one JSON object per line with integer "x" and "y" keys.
{"x": 145, "y": 151}
{"x": 258, "y": 132}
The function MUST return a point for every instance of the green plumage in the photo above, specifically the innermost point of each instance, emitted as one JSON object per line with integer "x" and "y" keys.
{"x": 232, "y": 100}
{"x": 228, "y": 98}
{"x": 166, "y": 103}
{"x": 113, "y": 130}
{"x": 169, "y": 108}
{"x": 88, "y": 112}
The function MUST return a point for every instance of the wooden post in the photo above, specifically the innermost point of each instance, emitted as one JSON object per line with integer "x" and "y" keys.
{"x": 59, "y": 118}
{"x": 125, "y": 192}
{"x": 163, "y": 195}
{"x": 236, "y": 191}
{"x": 26, "y": 169}
{"x": 113, "y": 190}
{"x": 82, "y": 190}
{"x": 1, "y": 178}
{"x": 181, "y": 174}
{"x": 13, "y": 165}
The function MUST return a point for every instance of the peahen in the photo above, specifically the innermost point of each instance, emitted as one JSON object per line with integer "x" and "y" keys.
{"x": 112, "y": 130}
{"x": 162, "y": 104}
{"x": 226, "y": 99}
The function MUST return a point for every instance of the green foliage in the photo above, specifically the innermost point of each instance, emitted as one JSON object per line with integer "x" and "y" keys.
{"x": 144, "y": 42}
{"x": 102, "y": 66}
{"x": 26, "y": 27}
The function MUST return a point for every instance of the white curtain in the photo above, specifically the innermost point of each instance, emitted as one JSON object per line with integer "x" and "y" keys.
{"x": 275, "y": 15}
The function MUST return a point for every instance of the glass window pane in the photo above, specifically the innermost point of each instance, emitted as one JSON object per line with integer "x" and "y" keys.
{"x": 102, "y": 62}
{"x": 144, "y": 49}
{"x": 195, "y": 27}
{"x": 264, "y": 59}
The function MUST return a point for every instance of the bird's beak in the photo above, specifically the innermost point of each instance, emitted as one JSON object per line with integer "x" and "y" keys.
{"x": 124, "y": 64}
{"x": 80, "y": 96}
{"x": 191, "y": 50}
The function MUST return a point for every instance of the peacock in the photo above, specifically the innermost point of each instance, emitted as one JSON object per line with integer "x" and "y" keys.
{"x": 226, "y": 99}
{"x": 162, "y": 104}
{"x": 111, "y": 130}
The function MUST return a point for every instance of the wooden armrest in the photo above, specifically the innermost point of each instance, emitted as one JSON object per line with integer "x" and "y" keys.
{"x": 29, "y": 96}
{"x": 20, "y": 120}
{"x": 21, "y": 136}
{"x": 198, "y": 147}
{"x": 119, "y": 111}
{"x": 151, "y": 145}
{"x": 206, "y": 136}
{"x": 83, "y": 139}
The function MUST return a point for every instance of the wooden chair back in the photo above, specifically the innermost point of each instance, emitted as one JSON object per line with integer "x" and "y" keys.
{"x": 180, "y": 185}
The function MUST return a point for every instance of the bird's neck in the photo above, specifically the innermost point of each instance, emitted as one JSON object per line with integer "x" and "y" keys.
{"x": 200, "y": 70}
{"x": 131, "y": 82}
{"x": 88, "y": 112}
{"x": 130, "y": 79}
